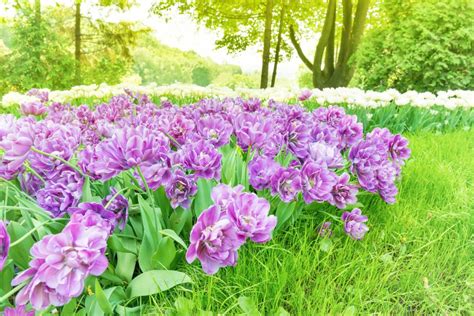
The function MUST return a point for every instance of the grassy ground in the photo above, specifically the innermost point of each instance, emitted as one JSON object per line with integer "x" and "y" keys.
{"x": 417, "y": 257}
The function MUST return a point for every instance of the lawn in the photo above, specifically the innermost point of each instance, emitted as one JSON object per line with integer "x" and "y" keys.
{"x": 417, "y": 257}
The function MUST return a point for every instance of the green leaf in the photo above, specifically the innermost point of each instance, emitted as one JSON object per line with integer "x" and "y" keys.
{"x": 122, "y": 244}
{"x": 284, "y": 212}
{"x": 125, "y": 265}
{"x": 128, "y": 311}
{"x": 19, "y": 251}
{"x": 203, "y": 197}
{"x": 102, "y": 299}
{"x": 281, "y": 312}
{"x": 179, "y": 219}
{"x": 164, "y": 255}
{"x": 325, "y": 244}
{"x": 151, "y": 226}
{"x": 114, "y": 296}
{"x": 172, "y": 234}
{"x": 69, "y": 308}
{"x": 184, "y": 306}
{"x": 6, "y": 276}
{"x": 86, "y": 191}
{"x": 156, "y": 281}
{"x": 248, "y": 306}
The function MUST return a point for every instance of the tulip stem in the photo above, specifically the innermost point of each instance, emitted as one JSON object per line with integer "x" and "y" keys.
{"x": 332, "y": 216}
{"x": 16, "y": 242}
{"x": 172, "y": 139}
{"x": 114, "y": 197}
{"x": 12, "y": 291}
{"x": 64, "y": 161}
{"x": 145, "y": 184}
{"x": 36, "y": 174}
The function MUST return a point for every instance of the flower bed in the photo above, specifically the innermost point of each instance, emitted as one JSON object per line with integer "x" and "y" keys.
{"x": 451, "y": 99}
{"x": 116, "y": 197}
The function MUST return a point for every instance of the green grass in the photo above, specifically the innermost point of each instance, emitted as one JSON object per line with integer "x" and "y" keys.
{"x": 416, "y": 259}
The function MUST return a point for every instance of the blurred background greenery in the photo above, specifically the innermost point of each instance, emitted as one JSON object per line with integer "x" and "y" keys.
{"x": 404, "y": 44}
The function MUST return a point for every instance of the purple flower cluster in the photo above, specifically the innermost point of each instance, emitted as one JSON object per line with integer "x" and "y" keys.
{"x": 292, "y": 154}
{"x": 354, "y": 223}
{"x": 175, "y": 146}
{"x": 62, "y": 262}
{"x": 224, "y": 227}
{"x": 377, "y": 162}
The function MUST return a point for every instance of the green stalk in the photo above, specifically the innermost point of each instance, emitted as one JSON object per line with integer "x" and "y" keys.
{"x": 12, "y": 291}
{"x": 36, "y": 150}
{"x": 28, "y": 234}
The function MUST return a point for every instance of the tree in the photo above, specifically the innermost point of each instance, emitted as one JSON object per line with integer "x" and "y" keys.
{"x": 331, "y": 65}
{"x": 201, "y": 76}
{"x": 267, "y": 37}
{"x": 77, "y": 42}
{"x": 241, "y": 23}
{"x": 423, "y": 46}
{"x": 279, "y": 42}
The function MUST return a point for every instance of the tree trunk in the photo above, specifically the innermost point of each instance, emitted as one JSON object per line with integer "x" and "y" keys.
{"x": 267, "y": 37}
{"x": 77, "y": 38}
{"x": 277, "y": 50}
{"x": 335, "y": 73}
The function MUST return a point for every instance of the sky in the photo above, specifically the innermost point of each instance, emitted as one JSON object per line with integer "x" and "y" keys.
{"x": 179, "y": 31}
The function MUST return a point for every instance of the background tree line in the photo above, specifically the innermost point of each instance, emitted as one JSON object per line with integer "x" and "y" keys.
{"x": 371, "y": 44}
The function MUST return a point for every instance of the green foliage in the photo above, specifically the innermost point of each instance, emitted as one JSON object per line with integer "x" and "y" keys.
{"x": 38, "y": 57}
{"x": 201, "y": 76}
{"x": 423, "y": 46}
{"x": 416, "y": 258}
{"x": 39, "y": 52}
{"x": 155, "y": 62}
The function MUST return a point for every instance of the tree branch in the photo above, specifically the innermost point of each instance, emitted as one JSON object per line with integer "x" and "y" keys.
{"x": 300, "y": 52}
{"x": 329, "y": 22}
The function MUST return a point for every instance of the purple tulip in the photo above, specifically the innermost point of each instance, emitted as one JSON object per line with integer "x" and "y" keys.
{"x": 180, "y": 189}
{"x": 20, "y": 310}
{"x": 43, "y": 95}
{"x": 349, "y": 131}
{"x": 68, "y": 177}
{"x": 32, "y": 108}
{"x": 223, "y": 195}
{"x": 305, "y": 95}
{"x": 214, "y": 241}
{"x": 326, "y": 155}
{"x": 158, "y": 173}
{"x": 299, "y": 138}
{"x": 203, "y": 159}
{"x": 286, "y": 182}
{"x": 261, "y": 170}
{"x": 129, "y": 147}
{"x": 16, "y": 147}
{"x": 105, "y": 218}
{"x": 56, "y": 198}
{"x": 118, "y": 204}
{"x": 354, "y": 224}
{"x": 343, "y": 193}
{"x": 4, "y": 244}
{"x": 249, "y": 213}
{"x": 251, "y": 130}
{"x": 398, "y": 149}
{"x": 317, "y": 182}
{"x": 324, "y": 230}
{"x": 180, "y": 128}
{"x": 215, "y": 130}
{"x": 60, "y": 265}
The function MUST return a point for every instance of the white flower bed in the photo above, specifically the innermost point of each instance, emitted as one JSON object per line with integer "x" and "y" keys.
{"x": 450, "y": 99}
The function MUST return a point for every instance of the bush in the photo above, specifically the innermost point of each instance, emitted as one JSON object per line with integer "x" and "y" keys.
{"x": 420, "y": 46}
